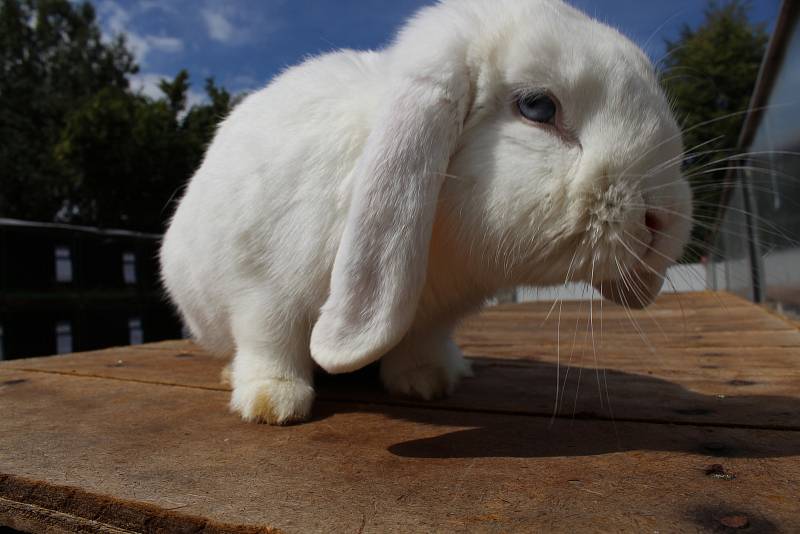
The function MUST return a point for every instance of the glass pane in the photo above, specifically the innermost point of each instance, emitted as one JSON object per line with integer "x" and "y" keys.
{"x": 759, "y": 240}
{"x": 732, "y": 263}
{"x": 135, "y": 331}
{"x": 63, "y": 264}
{"x": 773, "y": 175}
{"x": 129, "y": 267}
{"x": 63, "y": 337}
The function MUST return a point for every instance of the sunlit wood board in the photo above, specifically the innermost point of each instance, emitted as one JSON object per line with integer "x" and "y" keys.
{"x": 683, "y": 417}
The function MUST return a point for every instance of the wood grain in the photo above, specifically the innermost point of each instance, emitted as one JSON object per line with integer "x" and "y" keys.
{"x": 140, "y": 438}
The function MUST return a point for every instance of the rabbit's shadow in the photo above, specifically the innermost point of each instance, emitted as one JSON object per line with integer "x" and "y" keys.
{"x": 743, "y": 425}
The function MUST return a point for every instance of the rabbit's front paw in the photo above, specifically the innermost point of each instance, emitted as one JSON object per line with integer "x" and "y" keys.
{"x": 431, "y": 379}
{"x": 276, "y": 401}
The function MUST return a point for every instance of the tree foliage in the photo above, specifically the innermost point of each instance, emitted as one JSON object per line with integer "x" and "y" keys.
{"x": 710, "y": 73}
{"x": 79, "y": 145}
{"x": 51, "y": 57}
{"x": 128, "y": 156}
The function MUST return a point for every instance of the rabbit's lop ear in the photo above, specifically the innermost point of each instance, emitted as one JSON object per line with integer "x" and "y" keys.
{"x": 379, "y": 270}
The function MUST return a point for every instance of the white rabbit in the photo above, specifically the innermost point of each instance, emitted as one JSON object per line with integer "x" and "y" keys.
{"x": 363, "y": 202}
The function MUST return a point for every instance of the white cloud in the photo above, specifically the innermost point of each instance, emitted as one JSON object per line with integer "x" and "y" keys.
{"x": 243, "y": 83}
{"x": 147, "y": 84}
{"x": 165, "y": 44}
{"x": 228, "y": 24}
{"x": 195, "y": 98}
{"x": 153, "y": 5}
{"x": 116, "y": 20}
{"x": 114, "y": 16}
{"x": 219, "y": 27}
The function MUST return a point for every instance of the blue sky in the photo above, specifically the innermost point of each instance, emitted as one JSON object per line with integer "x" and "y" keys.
{"x": 243, "y": 43}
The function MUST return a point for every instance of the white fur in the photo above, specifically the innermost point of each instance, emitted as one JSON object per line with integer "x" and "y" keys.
{"x": 363, "y": 202}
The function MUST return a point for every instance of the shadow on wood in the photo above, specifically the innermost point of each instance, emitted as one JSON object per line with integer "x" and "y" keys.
{"x": 641, "y": 399}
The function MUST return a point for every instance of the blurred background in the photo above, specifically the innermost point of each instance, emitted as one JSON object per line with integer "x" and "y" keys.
{"x": 106, "y": 108}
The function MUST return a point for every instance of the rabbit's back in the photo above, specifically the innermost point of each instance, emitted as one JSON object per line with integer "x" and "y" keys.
{"x": 263, "y": 215}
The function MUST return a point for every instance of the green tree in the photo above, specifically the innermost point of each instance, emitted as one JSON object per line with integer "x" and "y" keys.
{"x": 202, "y": 120}
{"x": 175, "y": 91}
{"x": 128, "y": 155}
{"x": 78, "y": 144}
{"x": 52, "y": 58}
{"x": 709, "y": 73}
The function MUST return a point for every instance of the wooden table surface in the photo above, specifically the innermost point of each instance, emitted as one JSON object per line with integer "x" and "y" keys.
{"x": 688, "y": 421}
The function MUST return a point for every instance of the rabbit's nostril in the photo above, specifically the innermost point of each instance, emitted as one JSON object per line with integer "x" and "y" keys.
{"x": 653, "y": 222}
{"x": 655, "y": 225}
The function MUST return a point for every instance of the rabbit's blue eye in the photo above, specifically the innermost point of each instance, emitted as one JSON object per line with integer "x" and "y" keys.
{"x": 538, "y": 108}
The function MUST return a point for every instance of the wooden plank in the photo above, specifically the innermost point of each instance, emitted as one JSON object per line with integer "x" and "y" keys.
{"x": 726, "y": 391}
{"x": 66, "y": 509}
{"x": 138, "y": 438}
{"x": 183, "y": 366}
{"x": 709, "y": 321}
{"x": 373, "y": 468}
{"x": 695, "y": 299}
{"x": 722, "y": 340}
{"x": 542, "y": 326}
{"x": 520, "y": 370}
